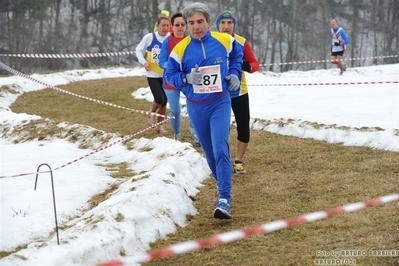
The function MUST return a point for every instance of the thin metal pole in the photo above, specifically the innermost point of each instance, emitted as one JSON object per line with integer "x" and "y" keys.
{"x": 52, "y": 185}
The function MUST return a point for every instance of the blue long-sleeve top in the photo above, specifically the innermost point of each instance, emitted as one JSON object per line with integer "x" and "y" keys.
{"x": 212, "y": 49}
{"x": 167, "y": 46}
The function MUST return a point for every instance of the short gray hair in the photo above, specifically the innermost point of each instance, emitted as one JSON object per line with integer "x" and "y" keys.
{"x": 189, "y": 10}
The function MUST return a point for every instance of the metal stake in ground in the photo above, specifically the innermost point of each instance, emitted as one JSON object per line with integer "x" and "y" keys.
{"x": 52, "y": 186}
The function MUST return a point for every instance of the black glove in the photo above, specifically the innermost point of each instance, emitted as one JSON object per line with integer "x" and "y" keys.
{"x": 246, "y": 66}
{"x": 337, "y": 44}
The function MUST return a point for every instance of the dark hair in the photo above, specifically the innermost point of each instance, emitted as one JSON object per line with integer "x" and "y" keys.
{"x": 162, "y": 18}
{"x": 176, "y": 15}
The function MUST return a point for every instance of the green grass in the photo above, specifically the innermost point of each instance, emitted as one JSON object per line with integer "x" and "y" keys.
{"x": 287, "y": 177}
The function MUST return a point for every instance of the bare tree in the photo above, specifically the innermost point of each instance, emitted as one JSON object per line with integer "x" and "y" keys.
{"x": 278, "y": 30}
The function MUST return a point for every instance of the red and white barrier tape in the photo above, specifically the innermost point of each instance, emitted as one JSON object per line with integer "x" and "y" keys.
{"x": 187, "y": 246}
{"x": 89, "y": 55}
{"x": 329, "y": 60}
{"x": 91, "y": 153}
{"x": 68, "y": 55}
{"x": 328, "y": 83}
{"x": 15, "y": 72}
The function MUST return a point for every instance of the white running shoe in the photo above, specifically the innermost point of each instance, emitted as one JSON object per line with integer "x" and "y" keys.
{"x": 151, "y": 119}
{"x": 160, "y": 129}
{"x": 193, "y": 135}
{"x": 178, "y": 137}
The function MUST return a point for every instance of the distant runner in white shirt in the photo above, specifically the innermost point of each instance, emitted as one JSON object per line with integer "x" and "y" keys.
{"x": 148, "y": 52}
{"x": 339, "y": 40}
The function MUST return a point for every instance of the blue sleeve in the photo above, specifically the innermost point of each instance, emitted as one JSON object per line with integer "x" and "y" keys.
{"x": 174, "y": 75}
{"x": 345, "y": 39}
{"x": 235, "y": 59}
{"x": 163, "y": 57}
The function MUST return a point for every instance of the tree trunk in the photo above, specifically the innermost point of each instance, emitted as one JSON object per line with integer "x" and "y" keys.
{"x": 355, "y": 30}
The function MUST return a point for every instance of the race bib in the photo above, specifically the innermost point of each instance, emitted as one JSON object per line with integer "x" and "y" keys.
{"x": 155, "y": 54}
{"x": 211, "y": 80}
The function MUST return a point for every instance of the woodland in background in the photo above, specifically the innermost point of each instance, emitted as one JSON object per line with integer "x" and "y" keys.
{"x": 278, "y": 30}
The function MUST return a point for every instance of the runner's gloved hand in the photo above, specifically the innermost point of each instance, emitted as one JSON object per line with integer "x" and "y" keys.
{"x": 234, "y": 82}
{"x": 246, "y": 66}
{"x": 194, "y": 77}
{"x": 337, "y": 44}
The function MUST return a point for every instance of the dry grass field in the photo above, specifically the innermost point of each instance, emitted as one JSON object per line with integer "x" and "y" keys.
{"x": 287, "y": 177}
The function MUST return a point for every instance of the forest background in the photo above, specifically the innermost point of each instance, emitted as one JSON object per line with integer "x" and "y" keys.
{"x": 278, "y": 30}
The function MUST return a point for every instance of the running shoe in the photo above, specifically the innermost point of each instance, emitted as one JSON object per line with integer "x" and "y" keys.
{"x": 238, "y": 167}
{"x": 193, "y": 135}
{"x": 160, "y": 129}
{"x": 343, "y": 70}
{"x": 151, "y": 119}
{"x": 222, "y": 211}
{"x": 178, "y": 137}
